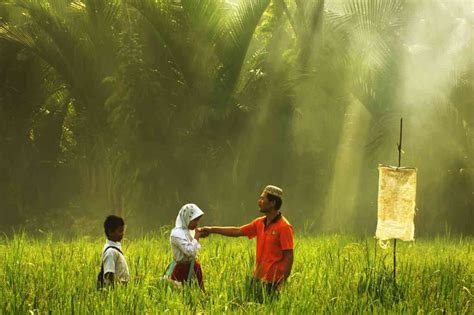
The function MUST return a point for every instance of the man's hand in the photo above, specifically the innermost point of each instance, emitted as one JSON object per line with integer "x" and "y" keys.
{"x": 200, "y": 233}
{"x": 206, "y": 230}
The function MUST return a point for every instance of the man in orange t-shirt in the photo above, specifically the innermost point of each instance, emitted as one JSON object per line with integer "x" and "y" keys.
{"x": 274, "y": 234}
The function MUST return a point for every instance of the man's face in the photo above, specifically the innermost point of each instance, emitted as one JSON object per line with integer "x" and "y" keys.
{"x": 264, "y": 204}
{"x": 117, "y": 234}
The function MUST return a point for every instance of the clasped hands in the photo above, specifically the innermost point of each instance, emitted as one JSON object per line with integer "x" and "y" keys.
{"x": 202, "y": 232}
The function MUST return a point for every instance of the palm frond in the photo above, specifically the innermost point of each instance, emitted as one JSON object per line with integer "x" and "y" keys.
{"x": 235, "y": 40}
{"x": 337, "y": 20}
{"x": 65, "y": 36}
{"x": 102, "y": 12}
{"x": 205, "y": 17}
{"x": 165, "y": 18}
{"x": 46, "y": 35}
{"x": 373, "y": 23}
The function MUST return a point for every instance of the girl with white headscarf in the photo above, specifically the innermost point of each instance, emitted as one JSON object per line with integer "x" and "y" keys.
{"x": 185, "y": 245}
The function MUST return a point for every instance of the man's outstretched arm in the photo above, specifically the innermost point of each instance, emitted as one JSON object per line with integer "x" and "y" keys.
{"x": 223, "y": 230}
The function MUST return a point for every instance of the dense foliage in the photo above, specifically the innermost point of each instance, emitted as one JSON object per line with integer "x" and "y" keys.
{"x": 139, "y": 106}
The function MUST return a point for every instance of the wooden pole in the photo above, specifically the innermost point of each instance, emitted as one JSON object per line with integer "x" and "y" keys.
{"x": 400, "y": 143}
{"x": 395, "y": 240}
{"x": 395, "y": 260}
{"x": 375, "y": 251}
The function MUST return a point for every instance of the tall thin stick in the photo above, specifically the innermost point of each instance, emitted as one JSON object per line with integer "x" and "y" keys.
{"x": 395, "y": 240}
{"x": 395, "y": 260}
{"x": 400, "y": 143}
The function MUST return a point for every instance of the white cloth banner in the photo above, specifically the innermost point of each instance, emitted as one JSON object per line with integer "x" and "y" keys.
{"x": 396, "y": 203}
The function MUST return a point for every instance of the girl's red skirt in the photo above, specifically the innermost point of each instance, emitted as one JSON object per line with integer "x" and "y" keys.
{"x": 181, "y": 271}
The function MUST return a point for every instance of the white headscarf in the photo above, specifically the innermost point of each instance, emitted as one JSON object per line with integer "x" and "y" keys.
{"x": 187, "y": 213}
{"x": 182, "y": 239}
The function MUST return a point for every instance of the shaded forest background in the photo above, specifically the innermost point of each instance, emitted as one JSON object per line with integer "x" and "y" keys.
{"x": 136, "y": 107}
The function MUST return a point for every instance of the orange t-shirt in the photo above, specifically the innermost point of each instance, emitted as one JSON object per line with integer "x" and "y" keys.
{"x": 272, "y": 240}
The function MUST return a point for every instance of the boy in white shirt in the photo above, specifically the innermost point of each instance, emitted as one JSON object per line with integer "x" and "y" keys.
{"x": 114, "y": 266}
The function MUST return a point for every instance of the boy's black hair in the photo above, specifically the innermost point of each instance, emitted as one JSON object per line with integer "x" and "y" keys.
{"x": 278, "y": 201}
{"x": 112, "y": 222}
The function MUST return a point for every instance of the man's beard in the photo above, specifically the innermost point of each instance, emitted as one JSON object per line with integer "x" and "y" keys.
{"x": 263, "y": 210}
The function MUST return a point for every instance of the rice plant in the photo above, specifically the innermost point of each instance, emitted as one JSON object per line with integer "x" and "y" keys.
{"x": 331, "y": 274}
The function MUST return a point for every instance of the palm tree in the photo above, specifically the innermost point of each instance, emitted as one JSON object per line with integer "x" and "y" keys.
{"x": 76, "y": 39}
{"x": 201, "y": 47}
{"x": 206, "y": 43}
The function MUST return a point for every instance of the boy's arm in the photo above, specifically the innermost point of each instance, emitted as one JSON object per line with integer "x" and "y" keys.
{"x": 110, "y": 278}
{"x": 109, "y": 260}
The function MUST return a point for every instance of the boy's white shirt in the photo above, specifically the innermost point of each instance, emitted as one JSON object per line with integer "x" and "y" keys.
{"x": 115, "y": 262}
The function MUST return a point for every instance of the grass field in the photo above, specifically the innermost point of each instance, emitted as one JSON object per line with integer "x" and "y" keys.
{"x": 331, "y": 274}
